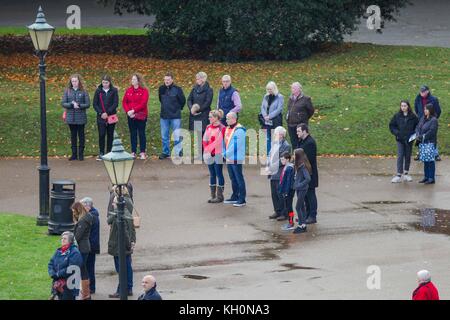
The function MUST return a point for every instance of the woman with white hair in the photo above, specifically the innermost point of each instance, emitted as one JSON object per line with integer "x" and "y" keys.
{"x": 271, "y": 116}
{"x": 202, "y": 95}
{"x": 426, "y": 289}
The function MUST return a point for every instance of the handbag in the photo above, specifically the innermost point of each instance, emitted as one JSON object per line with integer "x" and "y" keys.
{"x": 64, "y": 116}
{"x": 136, "y": 218}
{"x": 59, "y": 284}
{"x": 112, "y": 118}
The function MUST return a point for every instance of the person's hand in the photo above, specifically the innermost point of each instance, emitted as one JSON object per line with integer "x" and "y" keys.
{"x": 104, "y": 116}
{"x": 267, "y": 118}
{"x": 193, "y": 112}
{"x": 133, "y": 245}
{"x": 130, "y": 113}
{"x": 76, "y": 105}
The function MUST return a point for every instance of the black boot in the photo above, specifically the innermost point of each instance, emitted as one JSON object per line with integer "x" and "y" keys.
{"x": 213, "y": 194}
{"x": 81, "y": 153}
{"x": 219, "y": 198}
{"x": 74, "y": 154}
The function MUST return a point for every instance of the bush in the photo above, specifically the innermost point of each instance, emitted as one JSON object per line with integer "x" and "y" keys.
{"x": 242, "y": 29}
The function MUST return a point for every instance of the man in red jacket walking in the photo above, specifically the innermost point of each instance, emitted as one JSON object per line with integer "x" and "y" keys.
{"x": 426, "y": 289}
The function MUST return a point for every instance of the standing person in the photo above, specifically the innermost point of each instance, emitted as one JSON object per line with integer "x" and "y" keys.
{"x": 275, "y": 167}
{"x": 172, "y": 101}
{"x": 286, "y": 189}
{"x": 149, "y": 286}
{"x": 106, "y": 101}
{"x": 94, "y": 240}
{"x": 75, "y": 101}
{"x": 130, "y": 237}
{"x": 300, "y": 110}
{"x": 82, "y": 231}
{"x": 426, "y": 137}
{"x": 423, "y": 98}
{"x": 426, "y": 289}
{"x": 66, "y": 256}
{"x": 403, "y": 124}
{"x": 135, "y": 104}
{"x": 212, "y": 154}
{"x": 229, "y": 99}
{"x": 308, "y": 144}
{"x": 234, "y": 154}
{"x": 303, "y": 172}
{"x": 271, "y": 111}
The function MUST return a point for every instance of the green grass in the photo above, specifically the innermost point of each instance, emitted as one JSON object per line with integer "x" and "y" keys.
{"x": 25, "y": 250}
{"x": 355, "y": 88}
{"x": 98, "y": 31}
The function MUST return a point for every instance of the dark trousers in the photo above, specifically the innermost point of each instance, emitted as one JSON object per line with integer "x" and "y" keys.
{"x": 216, "y": 174}
{"x": 105, "y": 130}
{"x": 311, "y": 203}
{"x": 429, "y": 169}
{"x": 84, "y": 271}
{"x": 404, "y": 151}
{"x": 237, "y": 182}
{"x": 77, "y": 133}
{"x": 300, "y": 206}
{"x": 91, "y": 270}
{"x": 129, "y": 271}
{"x": 294, "y": 137}
{"x": 67, "y": 294}
{"x": 287, "y": 203}
{"x": 137, "y": 127}
{"x": 277, "y": 199}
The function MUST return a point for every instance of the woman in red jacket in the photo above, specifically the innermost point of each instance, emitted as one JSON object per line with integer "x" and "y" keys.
{"x": 134, "y": 103}
{"x": 212, "y": 154}
{"x": 426, "y": 289}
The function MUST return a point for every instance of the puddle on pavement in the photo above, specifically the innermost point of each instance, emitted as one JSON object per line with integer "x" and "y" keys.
{"x": 386, "y": 202}
{"x": 433, "y": 221}
{"x": 195, "y": 277}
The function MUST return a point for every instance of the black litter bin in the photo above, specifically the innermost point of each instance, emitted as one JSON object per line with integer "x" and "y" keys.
{"x": 62, "y": 196}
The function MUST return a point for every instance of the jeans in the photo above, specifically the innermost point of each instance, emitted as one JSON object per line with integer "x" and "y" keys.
{"x": 216, "y": 175}
{"x": 429, "y": 170}
{"x": 105, "y": 131}
{"x": 129, "y": 272}
{"x": 268, "y": 138}
{"x": 77, "y": 131}
{"x": 277, "y": 199}
{"x": 311, "y": 203}
{"x": 287, "y": 203}
{"x": 300, "y": 206}
{"x": 91, "y": 271}
{"x": 84, "y": 271}
{"x": 166, "y": 125}
{"x": 237, "y": 182}
{"x": 137, "y": 127}
{"x": 294, "y": 137}
{"x": 404, "y": 151}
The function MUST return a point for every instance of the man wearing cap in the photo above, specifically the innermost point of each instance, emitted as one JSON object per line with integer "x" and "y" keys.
{"x": 426, "y": 289}
{"x": 423, "y": 98}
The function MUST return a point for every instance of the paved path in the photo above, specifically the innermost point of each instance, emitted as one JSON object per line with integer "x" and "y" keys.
{"x": 237, "y": 253}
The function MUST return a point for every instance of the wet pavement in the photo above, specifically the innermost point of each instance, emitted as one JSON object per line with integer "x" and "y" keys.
{"x": 198, "y": 250}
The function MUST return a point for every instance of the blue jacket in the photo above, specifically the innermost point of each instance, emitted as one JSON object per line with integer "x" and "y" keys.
{"x": 151, "y": 294}
{"x": 235, "y": 152}
{"x": 302, "y": 179}
{"x": 225, "y": 101}
{"x": 94, "y": 237}
{"x": 57, "y": 267}
{"x": 430, "y": 99}
{"x": 286, "y": 185}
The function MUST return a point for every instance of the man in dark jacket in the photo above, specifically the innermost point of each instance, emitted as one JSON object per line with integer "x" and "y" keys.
{"x": 94, "y": 240}
{"x": 280, "y": 146}
{"x": 172, "y": 101}
{"x": 150, "y": 292}
{"x": 106, "y": 101}
{"x": 228, "y": 99}
{"x": 422, "y": 99}
{"x": 300, "y": 110}
{"x": 308, "y": 144}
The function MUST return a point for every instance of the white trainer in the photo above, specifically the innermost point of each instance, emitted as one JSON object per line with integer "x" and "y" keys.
{"x": 396, "y": 179}
{"x": 407, "y": 178}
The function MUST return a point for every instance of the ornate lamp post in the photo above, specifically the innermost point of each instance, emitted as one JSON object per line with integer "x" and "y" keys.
{"x": 119, "y": 164}
{"x": 41, "y": 34}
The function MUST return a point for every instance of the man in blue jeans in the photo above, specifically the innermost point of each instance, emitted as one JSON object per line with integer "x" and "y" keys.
{"x": 172, "y": 101}
{"x": 234, "y": 153}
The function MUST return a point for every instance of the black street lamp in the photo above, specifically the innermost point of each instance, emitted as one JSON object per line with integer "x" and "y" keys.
{"x": 41, "y": 34}
{"x": 119, "y": 164}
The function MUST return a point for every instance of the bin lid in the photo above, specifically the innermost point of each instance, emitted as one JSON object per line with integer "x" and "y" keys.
{"x": 63, "y": 182}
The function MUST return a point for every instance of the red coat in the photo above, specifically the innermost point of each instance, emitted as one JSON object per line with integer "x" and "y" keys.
{"x": 426, "y": 291}
{"x": 213, "y": 139}
{"x": 137, "y": 100}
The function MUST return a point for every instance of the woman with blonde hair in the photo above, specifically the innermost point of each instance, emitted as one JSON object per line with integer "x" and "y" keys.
{"x": 82, "y": 231}
{"x": 75, "y": 101}
{"x": 271, "y": 116}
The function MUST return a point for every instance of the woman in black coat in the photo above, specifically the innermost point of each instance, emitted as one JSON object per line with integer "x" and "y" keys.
{"x": 403, "y": 125}
{"x": 201, "y": 94}
{"x": 106, "y": 101}
{"x": 427, "y": 136}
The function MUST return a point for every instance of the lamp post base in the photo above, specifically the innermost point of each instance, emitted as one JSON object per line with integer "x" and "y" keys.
{"x": 42, "y": 220}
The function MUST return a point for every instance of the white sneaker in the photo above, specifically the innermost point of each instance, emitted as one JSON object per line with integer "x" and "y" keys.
{"x": 407, "y": 178}
{"x": 143, "y": 156}
{"x": 396, "y": 179}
